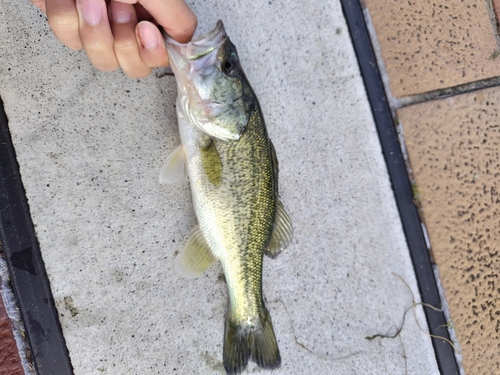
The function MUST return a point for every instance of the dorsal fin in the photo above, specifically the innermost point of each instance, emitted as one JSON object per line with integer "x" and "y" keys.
{"x": 276, "y": 168}
{"x": 282, "y": 231}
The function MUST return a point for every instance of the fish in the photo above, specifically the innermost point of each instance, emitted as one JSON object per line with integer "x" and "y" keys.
{"x": 232, "y": 168}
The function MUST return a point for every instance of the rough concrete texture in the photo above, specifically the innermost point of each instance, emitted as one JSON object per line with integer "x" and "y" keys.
{"x": 90, "y": 147}
{"x": 453, "y": 149}
{"x": 430, "y": 45}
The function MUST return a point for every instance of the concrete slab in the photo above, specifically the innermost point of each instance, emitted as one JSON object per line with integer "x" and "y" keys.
{"x": 90, "y": 146}
{"x": 453, "y": 150}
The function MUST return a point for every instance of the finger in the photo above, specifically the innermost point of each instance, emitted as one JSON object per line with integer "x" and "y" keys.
{"x": 175, "y": 16}
{"x": 63, "y": 20}
{"x": 40, "y": 4}
{"x": 151, "y": 45}
{"x": 142, "y": 14}
{"x": 95, "y": 33}
{"x": 123, "y": 22}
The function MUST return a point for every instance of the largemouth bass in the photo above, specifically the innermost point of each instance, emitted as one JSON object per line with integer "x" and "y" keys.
{"x": 233, "y": 172}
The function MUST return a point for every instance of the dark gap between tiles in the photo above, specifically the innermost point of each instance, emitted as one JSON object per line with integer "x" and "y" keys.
{"x": 447, "y": 92}
{"x": 400, "y": 184}
{"x": 27, "y": 270}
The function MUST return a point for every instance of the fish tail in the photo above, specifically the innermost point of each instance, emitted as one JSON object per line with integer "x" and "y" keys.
{"x": 242, "y": 343}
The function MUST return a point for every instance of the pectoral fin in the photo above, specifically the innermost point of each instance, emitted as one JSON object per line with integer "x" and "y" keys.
{"x": 175, "y": 167}
{"x": 282, "y": 231}
{"x": 212, "y": 165}
{"x": 196, "y": 256}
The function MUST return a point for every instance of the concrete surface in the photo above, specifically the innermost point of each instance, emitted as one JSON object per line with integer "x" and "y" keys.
{"x": 453, "y": 147}
{"x": 431, "y": 45}
{"x": 90, "y": 146}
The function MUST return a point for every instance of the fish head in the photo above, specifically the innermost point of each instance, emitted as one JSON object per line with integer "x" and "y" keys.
{"x": 211, "y": 84}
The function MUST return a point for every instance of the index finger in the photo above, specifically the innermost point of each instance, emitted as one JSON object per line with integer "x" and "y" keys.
{"x": 174, "y": 16}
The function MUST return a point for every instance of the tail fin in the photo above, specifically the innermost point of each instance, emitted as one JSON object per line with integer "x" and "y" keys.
{"x": 242, "y": 343}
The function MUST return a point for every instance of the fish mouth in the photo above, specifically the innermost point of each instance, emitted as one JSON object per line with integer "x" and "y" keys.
{"x": 199, "y": 46}
{"x": 222, "y": 115}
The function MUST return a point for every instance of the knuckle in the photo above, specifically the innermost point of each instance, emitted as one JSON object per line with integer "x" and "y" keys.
{"x": 63, "y": 22}
{"x": 104, "y": 64}
{"x": 96, "y": 47}
{"x": 65, "y": 29}
{"x": 101, "y": 55}
{"x": 126, "y": 46}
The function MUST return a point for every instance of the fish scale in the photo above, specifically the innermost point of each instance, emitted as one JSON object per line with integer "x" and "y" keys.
{"x": 248, "y": 183}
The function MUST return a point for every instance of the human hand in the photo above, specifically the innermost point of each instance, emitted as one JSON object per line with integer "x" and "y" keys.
{"x": 120, "y": 33}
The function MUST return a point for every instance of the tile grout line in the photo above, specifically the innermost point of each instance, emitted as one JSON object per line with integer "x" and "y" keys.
{"x": 447, "y": 92}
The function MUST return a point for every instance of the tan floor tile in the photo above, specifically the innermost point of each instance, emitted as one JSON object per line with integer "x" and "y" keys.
{"x": 429, "y": 45}
{"x": 454, "y": 151}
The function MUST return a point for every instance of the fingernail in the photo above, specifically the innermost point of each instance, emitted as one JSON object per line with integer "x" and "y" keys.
{"x": 120, "y": 12}
{"x": 91, "y": 11}
{"x": 147, "y": 35}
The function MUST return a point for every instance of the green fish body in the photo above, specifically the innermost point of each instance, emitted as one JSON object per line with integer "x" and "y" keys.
{"x": 233, "y": 172}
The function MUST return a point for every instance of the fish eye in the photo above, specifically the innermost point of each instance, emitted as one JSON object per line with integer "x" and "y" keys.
{"x": 230, "y": 66}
